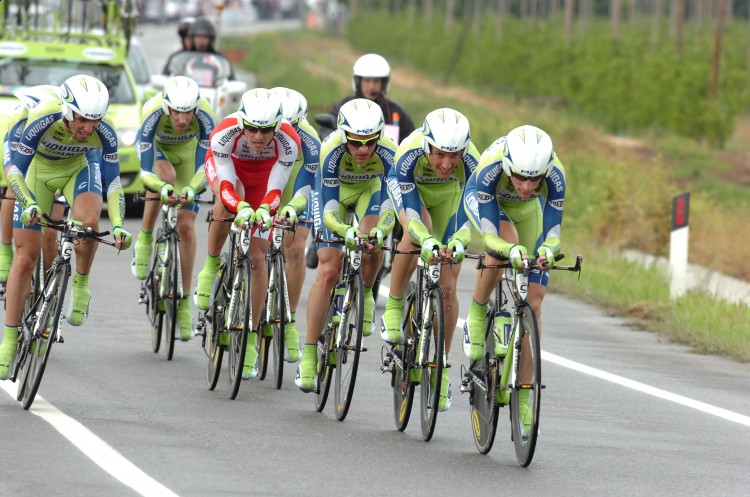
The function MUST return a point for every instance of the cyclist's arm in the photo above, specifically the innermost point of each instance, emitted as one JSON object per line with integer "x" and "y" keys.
{"x": 145, "y": 146}
{"x": 110, "y": 169}
{"x": 553, "y": 206}
{"x": 332, "y": 156}
{"x": 310, "y": 159}
{"x": 386, "y": 152}
{"x": 24, "y": 153}
{"x": 223, "y": 139}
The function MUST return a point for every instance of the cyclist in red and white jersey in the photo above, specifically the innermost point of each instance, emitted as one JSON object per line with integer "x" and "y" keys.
{"x": 248, "y": 164}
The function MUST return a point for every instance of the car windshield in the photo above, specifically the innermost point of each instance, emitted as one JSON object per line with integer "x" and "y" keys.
{"x": 209, "y": 70}
{"x": 16, "y": 74}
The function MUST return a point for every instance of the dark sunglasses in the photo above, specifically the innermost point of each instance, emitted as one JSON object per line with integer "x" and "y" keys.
{"x": 254, "y": 129}
{"x": 533, "y": 179}
{"x": 359, "y": 143}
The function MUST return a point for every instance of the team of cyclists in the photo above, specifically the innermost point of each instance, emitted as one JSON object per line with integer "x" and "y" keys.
{"x": 266, "y": 162}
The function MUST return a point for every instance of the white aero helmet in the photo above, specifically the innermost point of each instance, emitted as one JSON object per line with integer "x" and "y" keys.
{"x": 445, "y": 129}
{"x": 261, "y": 108}
{"x": 360, "y": 117}
{"x": 84, "y": 95}
{"x": 528, "y": 152}
{"x": 370, "y": 65}
{"x": 293, "y": 104}
{"x": 181, "y": 94}
{"x": 33, "y": 95}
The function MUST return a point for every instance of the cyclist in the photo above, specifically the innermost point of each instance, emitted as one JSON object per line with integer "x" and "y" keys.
{"x": 51, "y": 156}
{"x": 354, "y": 162}
{"x": 294, "y": 202}
{"x": 371, "y": 76}
{"x": 515, "y": 199}
{"x": 172, "y": 144}
{"x": 426, "y": 185}
{"x": 183, "y": 29}
{"x": 29, "y": 98}
{"x": 248, "y": 165}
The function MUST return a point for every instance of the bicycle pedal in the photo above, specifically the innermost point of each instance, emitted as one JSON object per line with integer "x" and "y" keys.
{"x": 60, "y": 338}
{"x": 465, "y": 387}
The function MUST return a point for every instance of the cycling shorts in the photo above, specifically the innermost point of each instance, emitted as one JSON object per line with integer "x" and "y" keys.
{"x": 363, "y": 198}
{"x": 183, "y": 162}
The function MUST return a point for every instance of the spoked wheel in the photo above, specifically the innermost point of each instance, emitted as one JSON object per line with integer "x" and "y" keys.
{"x": 214, "y": 327}
{"x": 432, "y": 369}
{"x": 240, "y": 325}
{"x": 155, "y": 304}
{"x": 169, "y": 272}
{"x": 483, "y": 408}
{"x": 325, "y": 368}
{"x": 275, "y": 309}
{"x": 44, "y": 334}
{"x": 524, "y": 417}
{"x": 347, "y": 360}
{"x": 403, "y": 387}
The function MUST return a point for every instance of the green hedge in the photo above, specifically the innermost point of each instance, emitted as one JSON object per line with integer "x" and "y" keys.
{"x": 628, "y": 85}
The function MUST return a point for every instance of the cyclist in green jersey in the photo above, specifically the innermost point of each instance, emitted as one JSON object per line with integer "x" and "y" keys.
{"x": 426, "y": 184}
{"x": 294, "y": 202}
{"x": 51, "y": 156}
{"x": 354, "y": 163}
{"x": 172, "y": 144}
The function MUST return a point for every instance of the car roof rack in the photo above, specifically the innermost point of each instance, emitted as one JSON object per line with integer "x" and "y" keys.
{"x": 86, "y": 30}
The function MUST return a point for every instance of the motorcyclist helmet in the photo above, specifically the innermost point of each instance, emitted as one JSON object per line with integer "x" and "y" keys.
{"x": 370, "y": 65}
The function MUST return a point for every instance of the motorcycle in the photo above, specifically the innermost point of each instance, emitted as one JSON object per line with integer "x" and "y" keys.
{"x": 211, "y": 71}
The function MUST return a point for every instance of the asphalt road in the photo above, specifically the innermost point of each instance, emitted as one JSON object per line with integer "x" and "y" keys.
{"x": 624, "y": 413}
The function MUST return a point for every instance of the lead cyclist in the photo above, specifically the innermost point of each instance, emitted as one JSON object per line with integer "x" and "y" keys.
{"x": 426, "y": 185}
{"x": 51, "y": 156}
{"x": 172, "y": 144}
{"x": 515, "y": 199}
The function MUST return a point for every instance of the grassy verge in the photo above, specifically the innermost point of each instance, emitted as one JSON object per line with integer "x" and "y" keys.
{"x": 619, "y": 193}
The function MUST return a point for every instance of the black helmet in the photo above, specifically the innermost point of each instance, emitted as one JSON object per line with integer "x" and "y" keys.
{"x": 202, "y": 27}
{"x": 184, "y": 26}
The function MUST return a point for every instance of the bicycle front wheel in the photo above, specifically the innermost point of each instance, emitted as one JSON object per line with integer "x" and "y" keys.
{"x": 241, "y": 311}
{"x": 44, "y": 334}
{"x": 433, "y": 365}
{"x": 403, "y": 387}
{"x": 214, "y": 326}
{"x": 349, "y": 346}
{"x": 275, "y": 310}
{"x": 170, "y": 272}
{"x": 483, "y": 408}
{"x": 524, "y": 417}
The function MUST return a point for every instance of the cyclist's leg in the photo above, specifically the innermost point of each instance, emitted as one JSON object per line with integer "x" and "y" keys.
{"x": 6, "y": 234}
{"x": 143, "y": 245}
{"x": 84, "y": 193}
{"x": 367, "y": 209}
{"x": 186, "y": 230}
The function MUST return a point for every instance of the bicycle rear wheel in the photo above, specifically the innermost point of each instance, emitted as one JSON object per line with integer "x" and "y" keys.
{"x": 432, "y": 369}
{"x": 240, "y": 319}
{"x": 525, "y": 437}
{"x": 214, "y": 326}
{"x": 403, "y": 387}
{"x": 350, "y": 345}
{"x": 483, "y": 408}
{"x": 155, "y": 314}
{"x": 172, "y": 297}
{"x": 325, "y": 368}
{"x": 44, "y": 334}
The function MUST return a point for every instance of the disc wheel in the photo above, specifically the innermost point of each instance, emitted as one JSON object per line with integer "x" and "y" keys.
{"x": 525, "y": 418}
{"x": 350, "y": 345}
{"x": 432, "y": 368}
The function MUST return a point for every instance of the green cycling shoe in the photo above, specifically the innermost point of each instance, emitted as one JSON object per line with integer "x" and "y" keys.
{"x": 250, "y": 368}
{"x": 78, "y": 310}
{"x": 368, "y": 314}
{"x": 445, "y": 391}
{"x": 6, "y": 259}
{"x": 308, "y": 369}
{"x": 142, "y": 255}
{"x": 206, "y": 279}
{"x": 8, "y": 351}
{"x": 291, "y": 342}
{"x": 185, "y": 319}
{"x": 390, "y": 322}
{"x": 474, "y": 328}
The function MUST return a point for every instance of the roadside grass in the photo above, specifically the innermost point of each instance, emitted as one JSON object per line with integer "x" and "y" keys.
{"x": 619, "y": 191}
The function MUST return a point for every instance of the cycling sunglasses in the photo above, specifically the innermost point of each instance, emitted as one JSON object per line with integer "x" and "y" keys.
{"x": 255, "y": 129}
{"x": 533, "y": 179}
{"x": 369, "y": 142}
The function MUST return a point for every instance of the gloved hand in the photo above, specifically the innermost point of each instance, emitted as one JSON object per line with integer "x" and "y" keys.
{"x": 289, "y": 214}
{"x": 427, "y": 249}
{"x": 165, "y": 192}
{"x": 457, "y": 248}
{"x": 263, "y": 218}
{"x": 29, "y": 213}
{"x": 546, "y": 252}
{"x": 376, "y": 235}
{"x": 516, "y": 254}
{"x": 245, "y": 214}
{"x": 189, "y": 193}
{"x": 350, "y": 238}
{"x": 127, "y": 238}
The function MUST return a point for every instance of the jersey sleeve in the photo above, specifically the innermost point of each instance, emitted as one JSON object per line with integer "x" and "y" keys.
{"x": 553, "y": 206}
{"x": 145, "y": 146}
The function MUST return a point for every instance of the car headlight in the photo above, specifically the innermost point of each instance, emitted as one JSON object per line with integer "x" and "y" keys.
{"x": 127, "y": 137}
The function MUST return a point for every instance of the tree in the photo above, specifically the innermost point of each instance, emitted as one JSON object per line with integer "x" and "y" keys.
{"x": 614, "y": 15}
{"x": 713, "y": 86}
{"x": 569, "y": 4}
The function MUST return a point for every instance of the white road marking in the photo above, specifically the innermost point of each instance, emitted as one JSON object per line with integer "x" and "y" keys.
{"x": 620, "y": 380}
{"x": 93, "y": 447}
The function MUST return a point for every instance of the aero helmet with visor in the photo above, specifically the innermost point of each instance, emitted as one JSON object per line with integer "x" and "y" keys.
{"x": 33, "y": 95}
{"x": 293, "y": 104}
{"x": 181, "y": 94}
